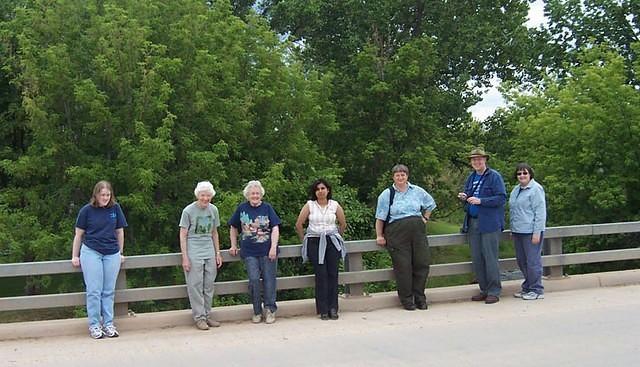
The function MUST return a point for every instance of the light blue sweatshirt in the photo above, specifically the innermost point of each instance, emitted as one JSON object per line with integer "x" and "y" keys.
{"x": 527, "y": 208}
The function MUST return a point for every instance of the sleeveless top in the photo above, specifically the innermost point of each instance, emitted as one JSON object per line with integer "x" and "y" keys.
{"x": 322, "y": 220}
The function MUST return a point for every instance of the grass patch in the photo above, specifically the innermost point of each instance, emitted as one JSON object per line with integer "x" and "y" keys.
{"x": 438, "y": 227}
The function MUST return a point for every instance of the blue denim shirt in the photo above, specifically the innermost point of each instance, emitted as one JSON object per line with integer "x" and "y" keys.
{"x": 493, "y": 196}
{"x": 527, "y": 208}
{"x": 410, "y": 203}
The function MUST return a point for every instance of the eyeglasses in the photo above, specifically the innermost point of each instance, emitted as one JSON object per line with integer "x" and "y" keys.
{"x": 524, "y": 173}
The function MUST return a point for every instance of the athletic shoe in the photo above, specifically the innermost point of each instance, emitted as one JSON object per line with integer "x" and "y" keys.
{"x": 202, "y": 324}
{"x": 530, "y": 296}
{"x": 96, "y": 332}
{"x": 270, "y": 317}
{"x": 110, "y": 331}
{"x": 213, "y": 322}
{"x": 519, "y": 294}
{"x": 256, "y": 319}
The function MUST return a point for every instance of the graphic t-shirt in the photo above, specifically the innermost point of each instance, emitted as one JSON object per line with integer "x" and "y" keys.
{"x": 100, "y": 224}
{"x": 477, "y": 183}
{"x": 254, "y": 225}
{"x": 200, "y": 222}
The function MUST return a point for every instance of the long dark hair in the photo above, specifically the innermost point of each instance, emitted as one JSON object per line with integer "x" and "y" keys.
{"x": 314, "y": 186}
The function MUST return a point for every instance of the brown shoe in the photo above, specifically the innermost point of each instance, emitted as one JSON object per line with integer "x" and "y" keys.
{"x": 213, "y": 322}
{"x": 479, "y": 297}
{"x": 202, "y": 324}
{"x": 491, "y": 299}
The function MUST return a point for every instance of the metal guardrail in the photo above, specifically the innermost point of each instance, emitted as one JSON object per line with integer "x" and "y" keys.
{"x": 354, "y": 276}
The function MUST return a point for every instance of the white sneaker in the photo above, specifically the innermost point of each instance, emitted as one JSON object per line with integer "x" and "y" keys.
{"x": 110, "y": 331}
{"x": 256, "y": 319}
{"x": 530, "y": 296}
{"x": 96, "y": 332}
{"x": 518, "y": 294}
{"x": 270, "y": 317}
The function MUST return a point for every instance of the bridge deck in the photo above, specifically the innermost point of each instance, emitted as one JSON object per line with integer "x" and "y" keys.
{"x": 584, "y": 327}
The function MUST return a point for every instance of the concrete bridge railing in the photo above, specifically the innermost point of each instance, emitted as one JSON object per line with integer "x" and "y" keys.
{"x": 354, "y": 277}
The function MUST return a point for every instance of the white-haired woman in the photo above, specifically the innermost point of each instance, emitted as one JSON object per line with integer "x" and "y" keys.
{"x": 200, "y": 247}
{"x": 258, "y": 223}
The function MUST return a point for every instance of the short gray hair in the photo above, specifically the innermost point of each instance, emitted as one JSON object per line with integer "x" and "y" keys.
{"x": 400, "y": 168}
{"x": 251, "y": 184}
{"x": 204, "y": 186}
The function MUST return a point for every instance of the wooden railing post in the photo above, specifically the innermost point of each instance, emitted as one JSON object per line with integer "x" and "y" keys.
{"x": 354, "y": 263}
{"x": 553, "y": 246}
{"x": 121, "y": 308}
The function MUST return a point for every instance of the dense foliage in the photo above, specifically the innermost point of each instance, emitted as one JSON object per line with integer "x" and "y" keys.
{"x": 155, "y": 95}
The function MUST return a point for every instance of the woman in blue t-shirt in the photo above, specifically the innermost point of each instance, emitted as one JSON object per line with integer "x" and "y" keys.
{"x": 259, "y": 232}
{"x": 97, "y": 248}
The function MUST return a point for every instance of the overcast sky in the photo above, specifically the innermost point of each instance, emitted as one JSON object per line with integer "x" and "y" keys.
{"x": 493, "y": 99}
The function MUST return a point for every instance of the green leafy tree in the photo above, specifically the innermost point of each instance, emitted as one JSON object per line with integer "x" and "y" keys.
{"x": 580, "y": 134}
{"x": 574, "y": 25}
{"x": 404, "y": 74}
{"x": 153, "y": 96}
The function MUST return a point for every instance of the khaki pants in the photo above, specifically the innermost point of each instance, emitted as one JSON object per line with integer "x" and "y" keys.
{"x": 200, "y": 286}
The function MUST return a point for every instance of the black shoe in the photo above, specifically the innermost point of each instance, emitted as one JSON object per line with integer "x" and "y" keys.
{"x": 324, "y": 316}
{"x": 409, "y": 306}
{"x": 421, "y": 305}
{"x": 333, "y": 314}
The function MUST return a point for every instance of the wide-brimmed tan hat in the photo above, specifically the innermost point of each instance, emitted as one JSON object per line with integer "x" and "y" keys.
{"x": 478, "y": 152}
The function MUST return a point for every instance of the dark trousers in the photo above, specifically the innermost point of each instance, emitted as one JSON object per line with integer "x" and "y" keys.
{"x": 407, "y": 244}
{"x": 529, "y": 257}
{"x": 484, "y": 258}
{"x": 326, "y": 275}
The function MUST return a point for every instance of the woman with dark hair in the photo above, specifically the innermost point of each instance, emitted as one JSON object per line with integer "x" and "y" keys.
{"x": 323, "y": 244}
{"x": 528, "y": 214}
{"x": 97, "y": 247}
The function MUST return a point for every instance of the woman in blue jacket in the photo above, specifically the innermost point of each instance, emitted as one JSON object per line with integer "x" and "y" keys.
{"x": 528, "y": 214}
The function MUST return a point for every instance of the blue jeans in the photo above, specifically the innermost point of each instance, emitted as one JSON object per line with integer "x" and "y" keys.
{"x": 529, "y": 257}
{"x": 262, "y": 267}
{"x": 484, "y": 258}
{"x": 100, "y": 273}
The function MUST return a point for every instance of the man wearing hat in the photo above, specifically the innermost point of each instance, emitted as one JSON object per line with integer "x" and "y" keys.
{"x": 484, "y": 197}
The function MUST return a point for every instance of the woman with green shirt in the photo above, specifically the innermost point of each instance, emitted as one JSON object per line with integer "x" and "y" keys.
{"x": 200, "y": 247}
